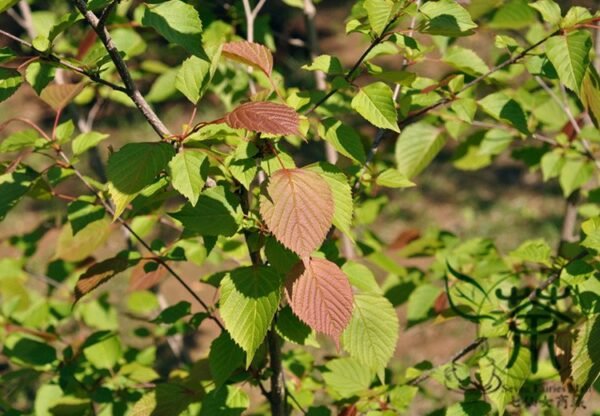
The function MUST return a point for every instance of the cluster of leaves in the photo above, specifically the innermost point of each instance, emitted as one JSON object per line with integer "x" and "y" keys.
{"x": 226, "y": 193}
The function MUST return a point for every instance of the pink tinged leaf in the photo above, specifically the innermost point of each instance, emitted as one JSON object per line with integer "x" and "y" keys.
{"x": 250, "y": 53}
{"x": 58, "y": 96}
{"x": 298, "y": 209}
{"x": 264, "y": 117}
{"x": 321, "y": 296}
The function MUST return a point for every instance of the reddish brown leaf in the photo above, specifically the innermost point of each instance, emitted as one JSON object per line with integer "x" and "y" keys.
{"x": 100, "y": 273}
{"x": 405, "y": 238}
{"x": 58, "y": 96}
{"x": 298, "y": 209}
{"x": 264, "y": 117}
{"x": 322, "y": 297}
{"x": 141, "y": 279}
{"x": 250, "y": 53}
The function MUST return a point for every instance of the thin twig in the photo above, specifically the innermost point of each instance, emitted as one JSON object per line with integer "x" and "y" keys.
{"x": 131, "y": 89}
{"x": 62, "y": 62}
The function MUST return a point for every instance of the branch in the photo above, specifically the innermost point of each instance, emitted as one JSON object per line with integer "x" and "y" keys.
{"x": 349, "y": 75}
{"x": 131, "y": 89}
{"x": 446, "y": 100}
{"x": 61, "y": 61}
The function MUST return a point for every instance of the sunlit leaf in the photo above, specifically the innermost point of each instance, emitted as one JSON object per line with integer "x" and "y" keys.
{"x": 250, "y": 53}
{"x": 376, "y": 104}
{"x": 321, "y": 296}
{"x": 298, "y": 208}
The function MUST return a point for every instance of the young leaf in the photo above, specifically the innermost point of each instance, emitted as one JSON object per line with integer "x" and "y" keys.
{"x": 188, "y": 170}
{"x": 569, "y": 54}
{"x": 392, "y": 178}
{"x": 249, "y": 299}
{"x": 102, "y": 349}
{"x": 10, "y": 81}
{"x": 86, "y": 141}
{"x": 375, "y": 103}
{"x": 58, "y": 96}
{"x": 379, "y": 13}
{"x": 224, "y": 358}
{"x": 325, "y": 63}
{"x": 137, "y": 165}
{"x": 100, "y": 273}
{"x": 416, "y": 147}
{"x": 193, "y": 78}
{"x": 372, "y": 333}
{"x": 549, "y": 10}
{"x": 298, "y": 208}
{"x": 585, "y": 360}
{"x": 445, "y": 18}
{"x": 264, "y": 117}
{"x": 216, "y": 213}
{"x": 250, "y": 53}
{"x": 320, "y": 295}
{"x": 178, "y": 22}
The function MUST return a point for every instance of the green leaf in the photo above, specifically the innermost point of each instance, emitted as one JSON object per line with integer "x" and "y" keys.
{"x": 7, "y": 4}
{"x": 392, "y": 178}
{"x": 102, "y": 349}
{"x": 344, "y": 139}
{"x": 574, "y": 174}
{"x": 469, "y": 408}
{"x": 445, "y": 18}
{"x": 224, "y": 358}
{"x": 39, "y": 74}
{"x": 465, "y": 109}
{"x": 514, "y": 14}
{"x": 178, "y": 22}
{"x": 81, "y": 212}
{"x": 420, "y": 303}
{"x": 551, "y": 164}
{"x": 167, "y": 399}
{"x": 14, "y": 186}
{"x": 188, "y": 170}
{"x": 372, "y": 333}
{"x": 535, "y": 251}
{"x": 347, "y": 376}
{"x": 465, "y": 60}
{"x": 574, "y": 16}
{"x": 549, "y": 10}
{"x": 326, "y": 63}
{"x": 361, "y": 277}
{"x": 193, "y": 78}
{"x": 7, "y": 54}
{"x": 217, "y": 212}
{"x": 281, "y": 258}
{"x": 86, "y": 141}
{"x": 77, "y": 247}
{"x": 503, "y": 108}
{"x": 10, "y": 80}
{"x": 25, "y": 350}
{"x": 591, "y": 228}
{"x": 375, "y": 103}
{"x": 23, "y": 139}
{"x": 569, "y": 54}
{"x": 590, "y": 94}
{"x": 585, "y": 359}
{"x": 416, "y": 147}
{"x": 173, "y": 313}
{"x": 379, "y": 13}
{"x": 342, "y": 195}
{"x": 504, "y": 383}
{"x": 137, "y": 165}
{"x": 228, "y": 401}
{"x": 249, "y": 299}
{"x": 292, "y": 329}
